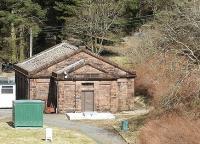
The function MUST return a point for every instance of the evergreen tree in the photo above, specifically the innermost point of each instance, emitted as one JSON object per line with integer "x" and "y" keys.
{"x": 16, "y": 17}
{"x": 56, "y": 13}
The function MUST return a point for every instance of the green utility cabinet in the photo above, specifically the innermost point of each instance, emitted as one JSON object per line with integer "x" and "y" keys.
{"x": 124, "y": 125}
{"x": 28, "y": 113}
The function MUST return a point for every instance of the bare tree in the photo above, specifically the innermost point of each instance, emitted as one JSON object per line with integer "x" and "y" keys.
{"x": 182, "y": 30}
{"x": 94, "y": 21}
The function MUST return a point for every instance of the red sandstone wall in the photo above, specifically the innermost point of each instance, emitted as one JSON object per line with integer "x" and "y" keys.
{"x": 39, "y": 89}
{"x": 110, "y": 96}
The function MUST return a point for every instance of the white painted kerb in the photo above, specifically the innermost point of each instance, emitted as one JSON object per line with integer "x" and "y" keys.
{"x": 89, "y": 115}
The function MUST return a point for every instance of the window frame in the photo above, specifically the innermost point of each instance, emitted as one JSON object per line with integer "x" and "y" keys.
{"x": 7, "y": 87}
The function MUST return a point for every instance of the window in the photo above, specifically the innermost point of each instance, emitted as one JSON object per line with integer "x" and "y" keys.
{"x": 7, "y": 90}
{"x": 87, "y": 84}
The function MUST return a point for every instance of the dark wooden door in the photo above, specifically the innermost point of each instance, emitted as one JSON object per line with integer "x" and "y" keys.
{"x": 87, "y": 101}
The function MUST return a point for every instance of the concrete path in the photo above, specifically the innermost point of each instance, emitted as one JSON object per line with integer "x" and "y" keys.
{"x": 100, "y": 135}
{"x": 5, "y": 113}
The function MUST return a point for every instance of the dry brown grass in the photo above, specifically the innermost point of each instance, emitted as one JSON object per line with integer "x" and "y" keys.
{"x": 170, "y": 130}
{"x": 168, "y": 77}
{"x": 152, "y": 78}
{"x": 168, "y": 83}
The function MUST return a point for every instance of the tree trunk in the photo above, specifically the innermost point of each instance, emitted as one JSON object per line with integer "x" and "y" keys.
{"x": 13, "y": 44}
{"x": 21, "y": 44}
{"x": 95, "y": 44}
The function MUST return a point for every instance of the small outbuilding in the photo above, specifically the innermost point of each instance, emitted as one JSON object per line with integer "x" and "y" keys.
{"x": 7, "y": 92}
{"x": 74, "y": 79}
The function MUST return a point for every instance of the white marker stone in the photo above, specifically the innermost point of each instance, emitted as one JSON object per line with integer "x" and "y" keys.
{"x": 49, "y": 134}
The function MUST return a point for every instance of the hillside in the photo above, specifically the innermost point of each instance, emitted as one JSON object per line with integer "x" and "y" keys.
{"x": 165, "y": 54}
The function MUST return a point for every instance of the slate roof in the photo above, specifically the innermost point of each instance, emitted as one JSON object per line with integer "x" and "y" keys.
{"x": 44, "y": 58}
{"x": 57, "y": 54}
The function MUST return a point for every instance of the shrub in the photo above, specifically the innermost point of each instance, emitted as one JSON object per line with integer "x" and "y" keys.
{"x": 171, "y": 129}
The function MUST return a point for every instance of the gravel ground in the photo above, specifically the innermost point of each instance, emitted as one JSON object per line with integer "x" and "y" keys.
{"x": 5, "y": 113}
{"x": 98, "y": 134}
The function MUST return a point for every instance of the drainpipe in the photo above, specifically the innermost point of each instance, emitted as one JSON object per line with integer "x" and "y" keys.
{"x": 28, "y": 93}
{"x": 57, "y": 96}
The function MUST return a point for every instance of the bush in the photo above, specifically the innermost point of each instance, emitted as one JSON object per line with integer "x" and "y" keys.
{"x": 172, "y": 129}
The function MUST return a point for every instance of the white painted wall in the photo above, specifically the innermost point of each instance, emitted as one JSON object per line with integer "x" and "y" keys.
{"x": 7, "y": 99}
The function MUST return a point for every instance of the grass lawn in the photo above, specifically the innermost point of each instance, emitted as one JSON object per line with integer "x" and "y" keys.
{"x": 9, "y": 135}
{"x": 120, "y": 60}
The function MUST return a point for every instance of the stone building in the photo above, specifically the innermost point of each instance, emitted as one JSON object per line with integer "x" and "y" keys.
{"x": 74, "y": 79}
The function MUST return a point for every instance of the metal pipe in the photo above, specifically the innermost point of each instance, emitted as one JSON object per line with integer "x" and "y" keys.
{"x": 57, "y": 96}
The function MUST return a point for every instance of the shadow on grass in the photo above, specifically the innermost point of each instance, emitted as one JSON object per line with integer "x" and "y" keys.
{"x": 10, "y": 123}
{"x": 48, "y": 140}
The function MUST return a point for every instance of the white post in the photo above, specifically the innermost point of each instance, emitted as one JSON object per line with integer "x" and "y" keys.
{"x": 49, "y": 134}
{"x": 31, "y": 42}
